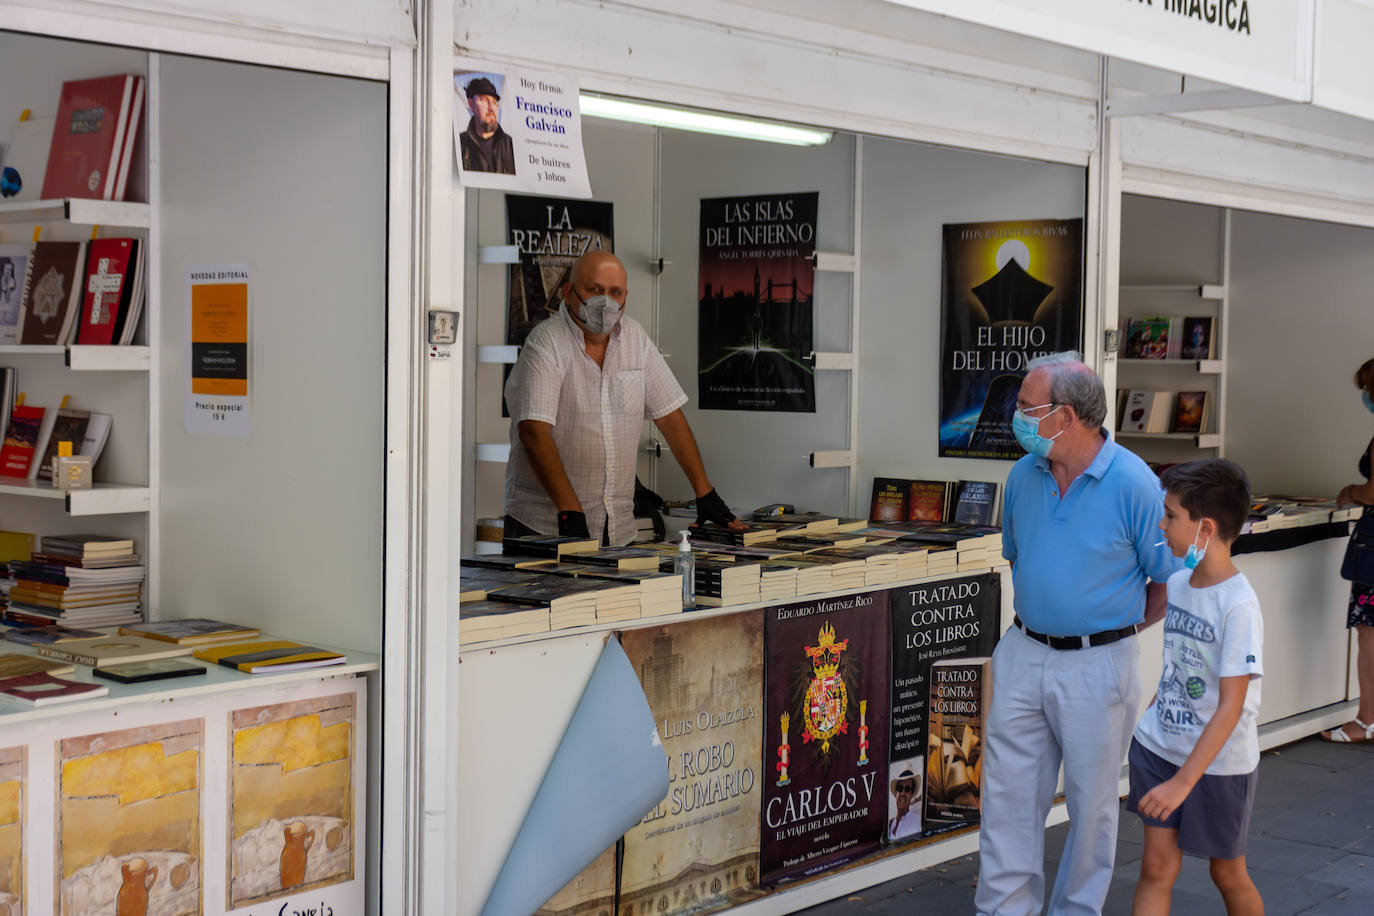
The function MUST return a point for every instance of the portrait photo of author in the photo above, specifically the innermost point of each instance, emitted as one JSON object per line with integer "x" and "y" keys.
{"x": 485, "y": 146}
{"x": 904, "y": 810}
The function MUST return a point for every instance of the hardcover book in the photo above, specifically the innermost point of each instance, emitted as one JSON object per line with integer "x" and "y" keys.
{"x": 41, "y": 689}
{"x": 889, "y": 502}
{"x": 107, "y": 288}
{"x": 52, "y": 289}
{"x": 960, "y": 697}
{"x": 928, "y": 501}
{"x": 190, "y": 631}
{"x": 152, "y": 670}
{"x": 93, "y": 137}
{"x": 269, "y": 656}
{"x": 21, "y": 440}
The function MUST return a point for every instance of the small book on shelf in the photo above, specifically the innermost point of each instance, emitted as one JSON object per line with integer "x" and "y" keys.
{"x": 928, "y": 501}
{"x": 1196, "y": 338}
{"x": 975, "y": 502}
{"x": 52, "y": 293}
{"x": 69, "y": 425}
{"x": 107, "y": 290}
{"x": 93, "y": 137}
{"x": 269, "y": 656}
{"x": 17, "y": 455}
{"x": 87, "y": 545}
{"x": 1147, "y": 338}
{"x": 42, "y": 689}
{"x": 889, "y": 500}
{"x": 1147, "y": 412}
{"x": 14, "y": 261}
{"x": 190, "y": 631}
{"x": 153, "y": 670}
{"x": 1190, "y": 412}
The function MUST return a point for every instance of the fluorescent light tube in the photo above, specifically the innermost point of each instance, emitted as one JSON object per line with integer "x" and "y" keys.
{"x": 598, "y": 106}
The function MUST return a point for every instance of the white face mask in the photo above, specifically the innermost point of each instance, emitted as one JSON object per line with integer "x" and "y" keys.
{"x": 599, "y": 313}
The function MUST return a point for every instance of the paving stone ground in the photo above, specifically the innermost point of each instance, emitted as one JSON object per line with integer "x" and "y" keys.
{"x": 1311, "y": 848}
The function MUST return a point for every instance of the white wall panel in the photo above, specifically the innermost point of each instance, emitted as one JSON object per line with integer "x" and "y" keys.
{"x": 785, "y": 67}
{"x": 910, "y": 192}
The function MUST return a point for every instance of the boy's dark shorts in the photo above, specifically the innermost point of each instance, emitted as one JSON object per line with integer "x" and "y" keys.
{"x": 1215, "y": 817}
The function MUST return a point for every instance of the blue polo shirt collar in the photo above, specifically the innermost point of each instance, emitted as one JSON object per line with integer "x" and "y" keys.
{"x": 1103, "y": 460}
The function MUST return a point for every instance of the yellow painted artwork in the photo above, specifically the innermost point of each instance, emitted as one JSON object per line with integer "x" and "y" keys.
{"x": 13, "y": 790}
{"x": 128, "y": 821}
{"x": 291, "y": 816}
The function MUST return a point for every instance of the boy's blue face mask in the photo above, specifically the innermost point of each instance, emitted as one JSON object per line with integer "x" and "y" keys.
{"x": 1195, "y": 554}
{"x": 1026, "y": 429}
{"x": 1367, "y": 401}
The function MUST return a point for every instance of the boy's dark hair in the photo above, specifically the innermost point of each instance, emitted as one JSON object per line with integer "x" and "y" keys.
{"x": 1212, "y": 488}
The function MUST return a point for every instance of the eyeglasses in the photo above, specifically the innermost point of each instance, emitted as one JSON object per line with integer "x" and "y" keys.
{"x": 1027, "y": 408}
{"x": 905, "y": 788}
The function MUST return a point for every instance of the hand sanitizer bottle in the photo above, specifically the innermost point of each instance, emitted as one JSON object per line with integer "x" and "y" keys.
{"x": 685, "y": 565}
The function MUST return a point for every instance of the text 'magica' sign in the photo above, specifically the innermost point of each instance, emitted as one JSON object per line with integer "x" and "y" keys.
{"x": 1262, "y": 45}
{"x": 518, "y": 130}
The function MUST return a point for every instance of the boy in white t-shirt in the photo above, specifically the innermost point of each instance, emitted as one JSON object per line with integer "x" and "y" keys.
{"x": 1194, "y": 759}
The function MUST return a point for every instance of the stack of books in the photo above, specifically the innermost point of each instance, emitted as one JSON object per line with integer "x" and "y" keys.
{"x": 624, "y": 559}
{"x": 81, "y": 580}
{"x": 721, "y": 583}
{"x": 777, "y": 581}
{"x": 546, "y": 546}
{"x": 496, "y": 619}
{"x": 846, "y": 573}
{"x": 880, "y": 561}
{"x": 191, "y": 631}
{"x": 570, "y": 602}
{"x": 659, "y": 593}
{"x": 820, "y": 541}
{"x": 941, "y": 560}
{"x": 757, "y": 533}
{"x": 813, "y": 576}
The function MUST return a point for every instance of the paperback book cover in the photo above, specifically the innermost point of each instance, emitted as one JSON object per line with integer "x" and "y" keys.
{"x": 889, "y": 502}
{"x": 1190, "y": 412}
{"x": 190, "y": 631}
{"x": 928, "y": 501}
{"x": 1197, "y": 338}
{"x": 52, "y": 291}
{"x": 12, "y": 664}
{"x": 97, "y": 122}
{"x": 107, "y": 288}
{"x": 21, "y": 440}
{"x": 268, "y": 656}
{"x": 14, "y": 260}
{"x": 1147, "y": 338}
{"x": 69, "y": 425}
{"x": 41, "y": 689}
{"x": 698, "y": 849}
{"x": 975, "y": 502}
{"x": 106, "y": 650}
{"x": 949, "y": 619}
{"x": 49, "y": 636}
{"x": 960, "y": 697}
{"x": 827, "y": 687}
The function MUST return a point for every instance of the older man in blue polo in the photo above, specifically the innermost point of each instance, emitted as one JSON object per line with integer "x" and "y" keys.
{"x": 1080, "y": 528}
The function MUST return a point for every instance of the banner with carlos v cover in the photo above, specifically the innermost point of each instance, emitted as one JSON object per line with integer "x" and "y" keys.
{"x": 825, "y": 733}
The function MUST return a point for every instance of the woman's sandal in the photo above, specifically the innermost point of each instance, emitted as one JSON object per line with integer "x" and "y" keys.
{"x": 1341, "y": 736}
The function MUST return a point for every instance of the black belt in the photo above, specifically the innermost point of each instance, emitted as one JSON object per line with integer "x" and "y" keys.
{"x": 1076, "y": 642}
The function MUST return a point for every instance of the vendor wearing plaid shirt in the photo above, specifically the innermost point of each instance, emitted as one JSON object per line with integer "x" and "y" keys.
{"x": 586, "y": 380}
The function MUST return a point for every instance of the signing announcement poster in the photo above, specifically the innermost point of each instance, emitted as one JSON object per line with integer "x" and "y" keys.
{"x": 757, "y": 285}
{"x": 825, "y": 733}
{"x": 1011, "y": 291}
{"x": 931, "y": 622}
{"x": 550, "y": 234}
{"x": 697, "y": 851}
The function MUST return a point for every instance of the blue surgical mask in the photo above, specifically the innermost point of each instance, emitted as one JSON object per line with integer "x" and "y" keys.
{"x": 599, "y": 313}
{"x": 1367, "y": 401}
{"x": 1026, "y": 429}
{"x": 1195, "y": 554}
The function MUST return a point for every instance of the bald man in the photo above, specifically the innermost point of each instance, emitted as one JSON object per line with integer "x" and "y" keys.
{"x": 586, "y": 379}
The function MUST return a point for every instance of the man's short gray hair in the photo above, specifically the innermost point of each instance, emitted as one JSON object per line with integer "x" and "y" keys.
{"x": 1072, "y": 383}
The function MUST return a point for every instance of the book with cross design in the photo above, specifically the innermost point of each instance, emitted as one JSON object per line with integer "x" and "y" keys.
{"x": 108, "y": 287}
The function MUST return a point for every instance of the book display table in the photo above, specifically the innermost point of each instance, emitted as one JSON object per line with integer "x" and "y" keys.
{"x": 234, "y": 794}
{"x": 730, "y": 755}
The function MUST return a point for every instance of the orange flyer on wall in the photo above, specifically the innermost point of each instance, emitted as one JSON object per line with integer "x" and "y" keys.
{"x": 219, "y": 338}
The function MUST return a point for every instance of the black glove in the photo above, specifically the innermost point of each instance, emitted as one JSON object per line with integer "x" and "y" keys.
{"x": 573, "y": 525}
{"x": 711, "y": 508}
